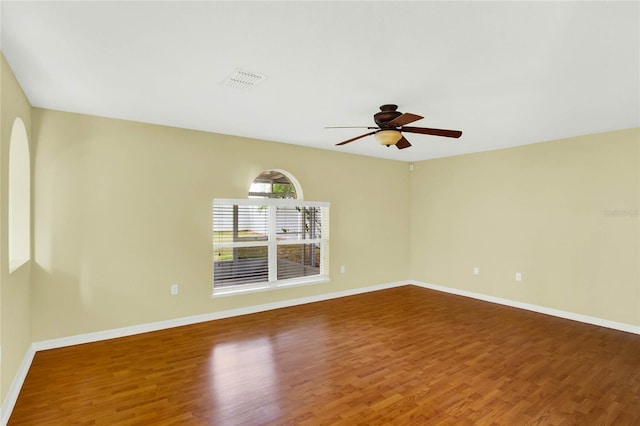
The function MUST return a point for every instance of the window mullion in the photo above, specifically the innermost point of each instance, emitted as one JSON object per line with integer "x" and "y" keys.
{"x": 324, "y": 246}
{"x": 273, "y": 245}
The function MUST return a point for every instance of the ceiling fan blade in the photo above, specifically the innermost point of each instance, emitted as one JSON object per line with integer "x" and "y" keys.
{"x": 356, "y": 138}
{"x": 405, "y": 118}
{"x": 403, "y": 143}
{"x": 435, "y": 132}
{"x": 350, "y": 127}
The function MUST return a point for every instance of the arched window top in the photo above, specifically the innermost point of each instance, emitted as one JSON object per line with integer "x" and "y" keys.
{"x": 275, "y": 184}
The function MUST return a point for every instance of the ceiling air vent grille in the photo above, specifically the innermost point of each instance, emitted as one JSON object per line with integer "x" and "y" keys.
{"x": 242, "y": 79}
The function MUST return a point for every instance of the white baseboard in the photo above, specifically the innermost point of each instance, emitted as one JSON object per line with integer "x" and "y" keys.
{"x": 161, "y": 325}
{"x": 14, "y": 390}
{"x": 535, "y": 308}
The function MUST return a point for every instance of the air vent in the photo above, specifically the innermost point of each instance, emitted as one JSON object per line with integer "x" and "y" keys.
{"x": 242, "y": 79}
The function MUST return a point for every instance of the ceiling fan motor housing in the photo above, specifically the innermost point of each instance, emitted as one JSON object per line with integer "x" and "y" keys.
{"x": 387, "y": 113}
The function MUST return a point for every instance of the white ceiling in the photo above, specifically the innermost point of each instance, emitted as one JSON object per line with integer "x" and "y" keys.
{"x": 505, "y": 73}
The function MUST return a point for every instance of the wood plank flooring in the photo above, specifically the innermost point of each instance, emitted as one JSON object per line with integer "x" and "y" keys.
{"x": 401, "y": 356}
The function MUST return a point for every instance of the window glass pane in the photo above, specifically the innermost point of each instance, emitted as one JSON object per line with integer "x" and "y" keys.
{"x": 240, "y": 265}
{"x": 298, "y": 260}
{"x": 232, "y": 223}
{"x": 298, "y": 223}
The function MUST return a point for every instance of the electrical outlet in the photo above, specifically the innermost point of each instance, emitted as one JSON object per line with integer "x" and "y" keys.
{"x": 343, "y": 269}
{"x": 174, "y": 289}
{"x": 476, "y": 271}
{"x": 518, "y": 276}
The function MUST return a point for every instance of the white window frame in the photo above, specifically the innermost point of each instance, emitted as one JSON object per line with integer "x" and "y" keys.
{"x": 272, "y": 244}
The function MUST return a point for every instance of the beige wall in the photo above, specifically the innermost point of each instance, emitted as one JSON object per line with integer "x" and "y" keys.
{"x": 15, "y": 288}
{"x": 563, "y": 213}
{"x": 123, "y": 210}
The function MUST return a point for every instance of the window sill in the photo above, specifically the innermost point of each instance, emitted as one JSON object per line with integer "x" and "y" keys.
{"x": 17, "y": 263}
{"x": 260, "y": 287}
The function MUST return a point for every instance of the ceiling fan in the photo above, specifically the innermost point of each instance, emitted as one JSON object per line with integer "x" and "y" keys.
{"x": 390, "y": 125}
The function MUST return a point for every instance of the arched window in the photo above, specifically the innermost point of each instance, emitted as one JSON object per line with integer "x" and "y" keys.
{"x": 270, "y": 239}
{"x": 19, "y": 196}
{"x": 275, "y": 184}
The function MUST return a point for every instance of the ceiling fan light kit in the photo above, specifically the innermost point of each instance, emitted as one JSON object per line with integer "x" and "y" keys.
{"x": 390, "y": 125}
{"x": 388, "y": 137}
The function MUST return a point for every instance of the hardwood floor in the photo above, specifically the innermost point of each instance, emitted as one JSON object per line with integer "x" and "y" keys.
{"x": 400, "y": 356}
